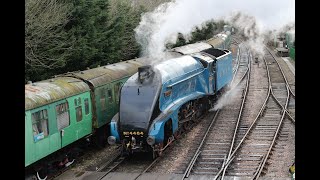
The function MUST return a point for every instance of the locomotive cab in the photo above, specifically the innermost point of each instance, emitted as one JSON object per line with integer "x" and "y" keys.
{"x": 218, "y": 68}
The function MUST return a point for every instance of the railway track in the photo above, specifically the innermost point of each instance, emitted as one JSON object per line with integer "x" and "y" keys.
{"x": 127, "y": 165}
{"x": 139, "y": 163}
{"x": 83, "y": 153}
{"x": 215, "y": 146}
{"x": 255, "y": 142}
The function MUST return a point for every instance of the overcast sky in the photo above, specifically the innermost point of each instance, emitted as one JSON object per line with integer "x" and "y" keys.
{"x": 269, "y": 13}
{"x": 162, "y": 25}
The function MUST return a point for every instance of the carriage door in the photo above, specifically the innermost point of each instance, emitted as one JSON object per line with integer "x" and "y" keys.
{"x": 110, "y": 102}
{"x": 117, "y": 88}
{"x": 63, "y": 123}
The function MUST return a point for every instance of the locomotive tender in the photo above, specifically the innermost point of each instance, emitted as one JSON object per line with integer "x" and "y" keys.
{"x": 158, "y": 102}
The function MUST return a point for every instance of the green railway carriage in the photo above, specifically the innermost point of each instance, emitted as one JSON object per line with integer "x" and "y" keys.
{"x": 57, "y": 113}
{"x": 69, "y": 107}
{"x": 221, "y": 40}
{"x": 290, "y": 41}
{"x": 292, "y": 52}
{"x": 105, "y": 83}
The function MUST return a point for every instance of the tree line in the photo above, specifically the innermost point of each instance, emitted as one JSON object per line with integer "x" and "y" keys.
{"x": 69, "y": 35}
{"x": 205, "y": 31}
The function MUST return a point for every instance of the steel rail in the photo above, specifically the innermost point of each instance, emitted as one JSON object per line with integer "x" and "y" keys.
{"x": 153, "y": 162}
{"x": 198, "y": 151}
{"x": 287, "y": 85}
{"x": 240, "y": 111}
{"x": 147, "y": 168}
{"x": 261, "y": 165}
{"x": 232, "y": 156}
{"x": 284, "y": 112}
{"x": 283, "y": 109}
{"x": 231, "y": 83}
{"x": 237, "y": 66}
{"x": 192, "y": 161}
{"x": 281, "y": 72}
{"x": 258, "y": 172}
{"x": 117, "y": 155}
{"x": 111, "y": 169}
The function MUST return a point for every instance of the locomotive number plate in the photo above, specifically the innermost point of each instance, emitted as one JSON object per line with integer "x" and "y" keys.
{"x": 126, "y": 133}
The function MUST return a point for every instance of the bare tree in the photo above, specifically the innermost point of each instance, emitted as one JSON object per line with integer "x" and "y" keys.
{"x": 45, "y": 41}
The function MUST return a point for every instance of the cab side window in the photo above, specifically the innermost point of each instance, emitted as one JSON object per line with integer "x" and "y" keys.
{"x": 40, "y": 124}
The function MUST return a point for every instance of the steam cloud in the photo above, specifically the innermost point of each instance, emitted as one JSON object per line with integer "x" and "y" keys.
{"x": 258, "y": 21}
{"x": 227, "y": 98}
{"x": 162, "y": 25}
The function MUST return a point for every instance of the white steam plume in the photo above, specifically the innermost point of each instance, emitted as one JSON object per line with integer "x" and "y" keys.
{"x": 227, "y": 98}
{"x": 161, "y": 26}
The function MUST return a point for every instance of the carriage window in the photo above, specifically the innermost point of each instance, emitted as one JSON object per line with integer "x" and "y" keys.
{"x": 102, "y": 99}
{"x": 117, "y": 90}
{"x": 110, "y": 95}
{"x": 78, "y": 109}
{"x": 78, "y": 113}
{"x": 40, "y": 124}
{"x": 62, "y": 112}
{"x": 86, "y": 106}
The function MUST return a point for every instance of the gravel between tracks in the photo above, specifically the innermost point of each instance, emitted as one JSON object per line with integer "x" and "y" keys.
{"x": 93, "y": 158}
{"x": 178, "y": 154}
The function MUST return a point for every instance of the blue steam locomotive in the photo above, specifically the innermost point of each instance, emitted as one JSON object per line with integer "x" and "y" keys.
{"x": 159, "y": 102}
